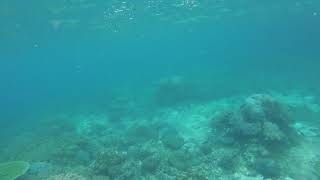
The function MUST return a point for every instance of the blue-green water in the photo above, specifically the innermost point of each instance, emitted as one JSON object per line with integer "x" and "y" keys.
{"x": 133, "y": 90}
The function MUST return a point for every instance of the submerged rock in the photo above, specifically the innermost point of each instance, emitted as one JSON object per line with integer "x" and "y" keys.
{"x": 268, "y": 168}
{"x": 139, "y": 153}
{"x": 173, "y": 141}
{"x": 150, "y": 164}
{"x": 228, "y": 162}
{"x": 181, "y": 159}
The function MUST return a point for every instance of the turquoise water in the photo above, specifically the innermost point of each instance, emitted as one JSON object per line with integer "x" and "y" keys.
{"x": 154, "y": 89}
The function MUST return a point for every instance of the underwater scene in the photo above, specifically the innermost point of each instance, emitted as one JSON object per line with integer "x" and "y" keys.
{"x": 160, "y": 90}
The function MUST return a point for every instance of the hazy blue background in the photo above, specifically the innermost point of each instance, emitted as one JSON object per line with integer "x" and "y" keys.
{"x": 72, "y": 54}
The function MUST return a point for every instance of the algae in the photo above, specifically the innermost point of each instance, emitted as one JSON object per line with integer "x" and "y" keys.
{"x": 13, "y": 170}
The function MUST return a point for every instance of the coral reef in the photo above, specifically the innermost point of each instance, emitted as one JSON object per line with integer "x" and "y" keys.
{"x": 261, "y": 128}
{"x": 261, "y": 119}
{"x": 268, "y": 168}
{"x": 150, "y": 164}
{"x": 251, "y": 137}
{"x": 67, "y": 176}
{"x": 108, "y": 161}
